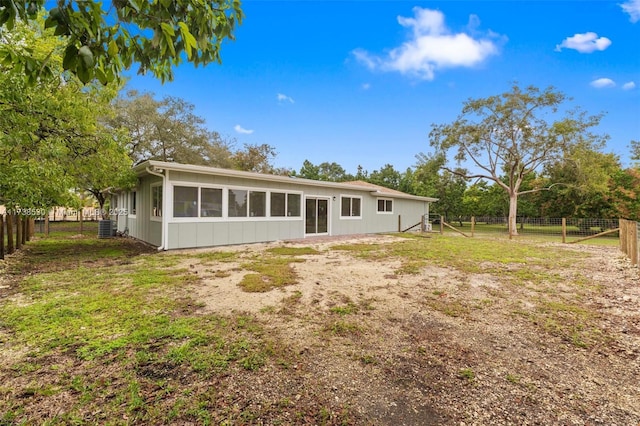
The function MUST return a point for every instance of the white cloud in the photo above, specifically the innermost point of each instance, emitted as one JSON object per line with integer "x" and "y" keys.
{"x": 632, "y": 7}
{"x": 584, "y": 43}
{"x": 630, "y": 85}
{"x": 366, "y": 86}
{"x": 238, "y": 128}
{"x": 431, "y": 47}
{"x": 284, "y": 98}
{"x": 602, "y": 83}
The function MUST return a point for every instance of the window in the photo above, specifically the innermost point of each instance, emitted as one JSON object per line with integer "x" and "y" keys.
{"x": 257, "y": 204}
{"x": 350, "y": 207}
{"x": 185, "y": 201}
{"x": 133, "y": 203}
{"x": 293, "y": 205}
{"x": 156, "y": 201}
{"x": 385, "y": 205}
{"x": 283, "y": 204}
{"x": 237, "y": 203}
{"x": 210, "y": 202}
{"x": 278, "y": 204}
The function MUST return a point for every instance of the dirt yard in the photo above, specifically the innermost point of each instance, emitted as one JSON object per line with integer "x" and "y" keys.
{"x": 445, "y": 346}
{"x": 373, "y": 330}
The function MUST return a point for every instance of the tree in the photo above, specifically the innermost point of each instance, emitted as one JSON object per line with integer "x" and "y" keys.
{"x": 482, "y": 199}
{"x": 434, "y": 181}
{"x": 107, "y": 168}
{"x": 512, "y": 135}
{"x": 387, "y": 176}
{"x": 585, "y": 173}
{"x": 308, "y": 171}
{"x": 624, "y": 194}
{"x": 333, "y": 172}
{"x": 168, "y": 130}
{"x": 51, "y": 135}
{"x": 635, "y": 150}
{"x": 361, "y": 173}
{"x": 255, "y": 158}
{"x": 328, "y": 172}
{"x": 101, "y": 40}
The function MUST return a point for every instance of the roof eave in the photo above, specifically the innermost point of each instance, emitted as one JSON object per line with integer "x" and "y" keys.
{"x": 141, "y": 169}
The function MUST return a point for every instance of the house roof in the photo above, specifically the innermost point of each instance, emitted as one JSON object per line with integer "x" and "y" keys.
{"x": 374, "y": 187}
{"x": 158, "y": 166}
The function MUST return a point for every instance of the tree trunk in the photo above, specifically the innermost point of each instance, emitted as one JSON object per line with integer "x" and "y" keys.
{"x": 25, "y": 229}
{"x": 10, "y": 246}
{"x": 1, "y": 236}
{"x": 513, "y": 213}
{"x": 18, "y": 232}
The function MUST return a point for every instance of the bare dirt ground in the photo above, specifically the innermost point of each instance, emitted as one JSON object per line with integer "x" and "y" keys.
{"x": 444, "y": 346}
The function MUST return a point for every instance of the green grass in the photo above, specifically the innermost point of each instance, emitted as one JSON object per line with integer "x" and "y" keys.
{"x": 274, "y": 270}
{"x": 292, "y": 251}
{"x": 113, "y": 327}
{"x": 467, "y": 374}
{"x": 347, "y": 309}
{"x": 464, "y": 254}
{"x": 129, "y": 328}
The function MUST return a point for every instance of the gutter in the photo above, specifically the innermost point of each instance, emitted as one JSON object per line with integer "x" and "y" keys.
{"x": 165, "y": 228}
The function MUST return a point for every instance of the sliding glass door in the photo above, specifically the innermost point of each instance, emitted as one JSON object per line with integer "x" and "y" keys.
{"x": 316, "y": 216}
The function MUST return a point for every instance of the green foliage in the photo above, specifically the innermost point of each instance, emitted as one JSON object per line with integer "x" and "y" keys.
{"x": 635, "y": 150}
{"x": 387, "y": 176}
{"x": 102, "y": 40}
{"x": 582, "y": 178}
{"x": 624, "y": 194}
{"x": 468, "y": 374}
{"x": 329, "y": 172}
{"x": 255, "y": 158}
{"x": 52, "y": 137}
{"x": 167, "y": 130}
{"x": 509, "y": 136}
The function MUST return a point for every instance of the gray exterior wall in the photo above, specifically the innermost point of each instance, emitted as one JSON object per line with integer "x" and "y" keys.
{"x": 140, "y": 225}
{"x": 183, "y": 232}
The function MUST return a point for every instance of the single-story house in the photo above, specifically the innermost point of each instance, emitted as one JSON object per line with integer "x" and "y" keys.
{"x": 178, "y": 206}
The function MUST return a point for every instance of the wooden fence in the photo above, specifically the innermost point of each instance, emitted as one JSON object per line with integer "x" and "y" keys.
{"x": 630, "y": 240}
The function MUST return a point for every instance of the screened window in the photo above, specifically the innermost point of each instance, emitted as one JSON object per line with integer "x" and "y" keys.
{"x": 156, "y": 201}
{"x": 385, "y": 206}
{"x": 350, "y": 207}
{"x": 293, "y": 205}
{"x": 210, "y": 202}
{"x": 278, "y": 204}
{"x": 185, "y": 201}
{"x": 237, "y": 203}
{"x": 283, "y": 204}
{"x": 257, "y": 204}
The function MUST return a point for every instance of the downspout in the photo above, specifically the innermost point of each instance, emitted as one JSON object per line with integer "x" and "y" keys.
{"x": 158, "y": 172}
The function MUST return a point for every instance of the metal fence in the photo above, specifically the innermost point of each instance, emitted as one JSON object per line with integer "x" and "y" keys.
{"x": 569, "y": 228}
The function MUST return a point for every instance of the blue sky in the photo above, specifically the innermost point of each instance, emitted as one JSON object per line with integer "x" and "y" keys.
{"x": 361, "y": 82}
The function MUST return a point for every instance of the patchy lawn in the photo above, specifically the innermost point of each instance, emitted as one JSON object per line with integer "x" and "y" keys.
{"x": 383, "y": 330}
